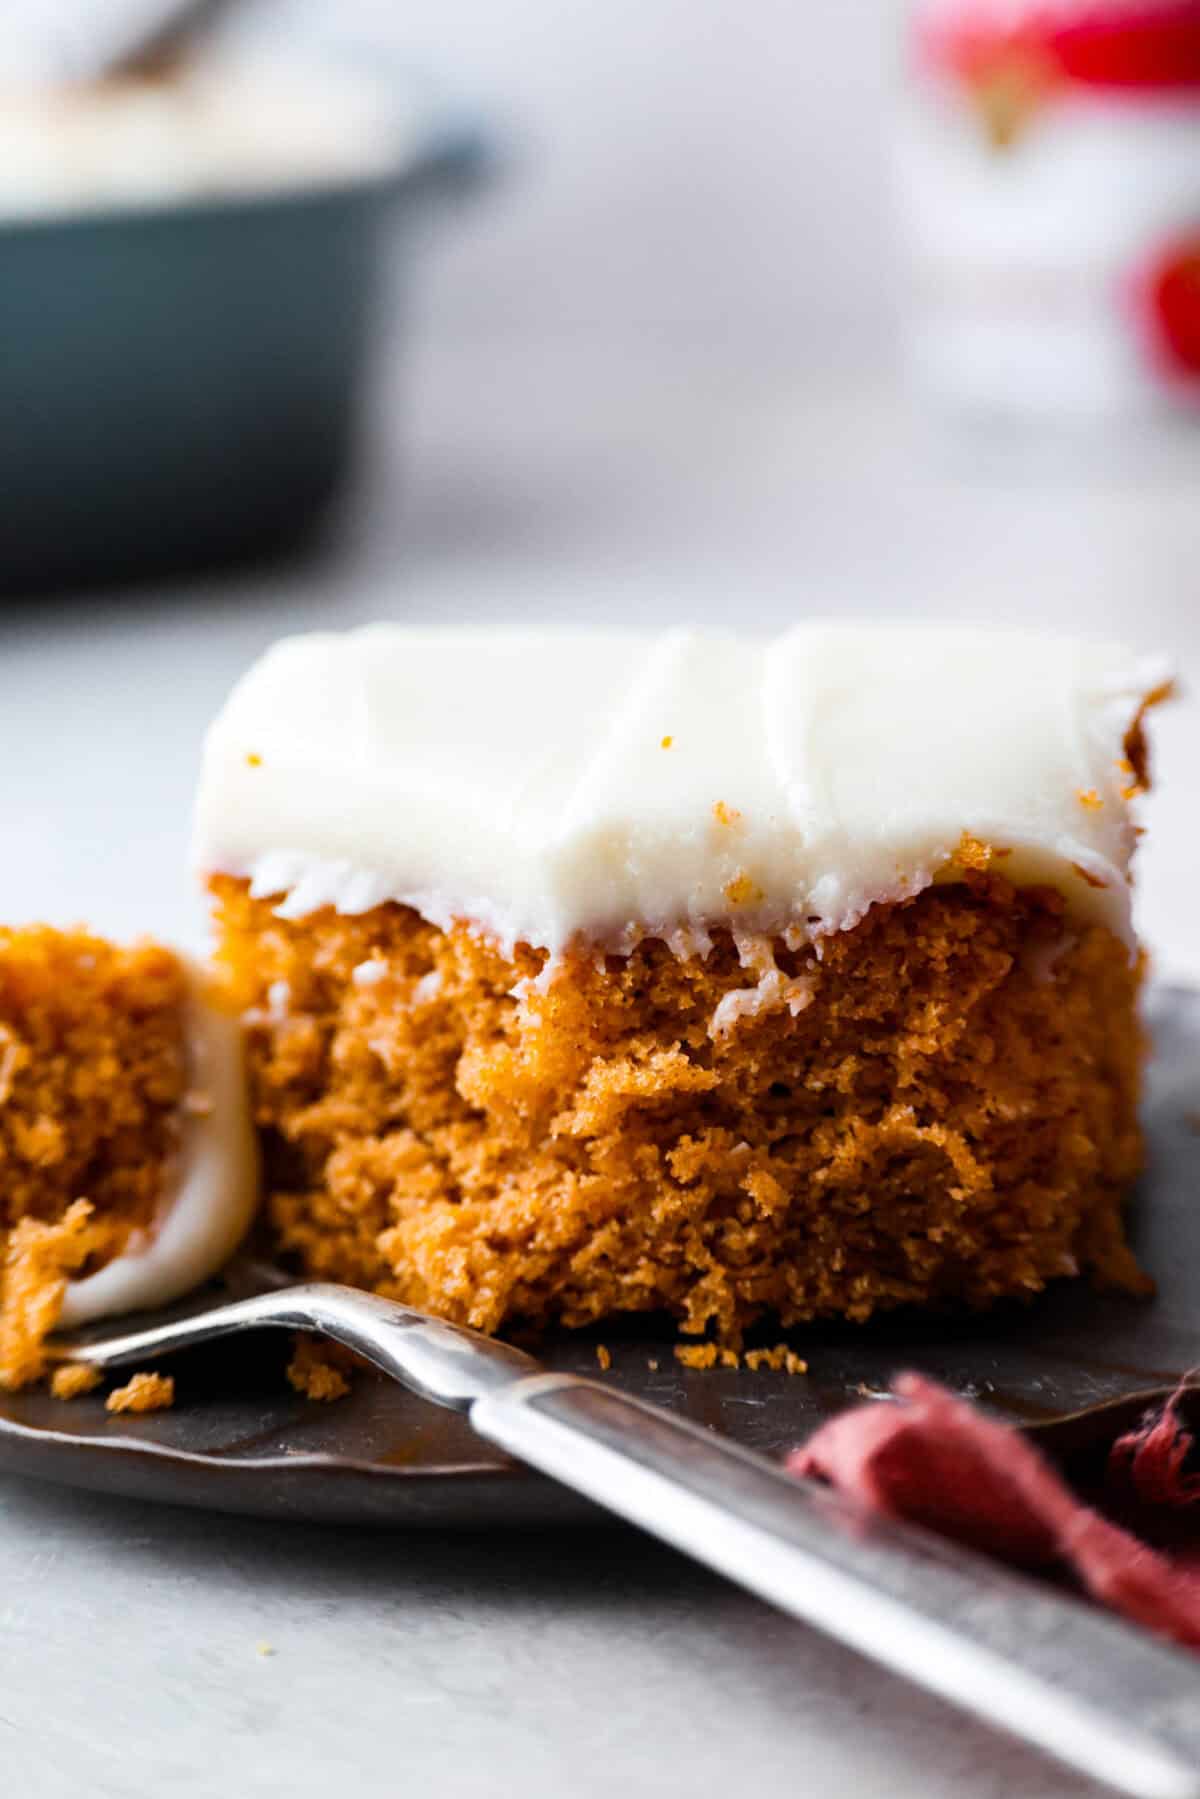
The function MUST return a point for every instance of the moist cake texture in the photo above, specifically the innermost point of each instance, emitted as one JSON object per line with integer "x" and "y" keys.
{"x": 952, "y": 1116}
{"x": 127, "y": 1166}
{"x": 92, "y": 1075}
{"x": 585, "y": 974}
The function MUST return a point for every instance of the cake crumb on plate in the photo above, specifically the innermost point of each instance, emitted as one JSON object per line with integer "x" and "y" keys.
{"x": 144, "y": 1393}
{"x": 312, "y": 1371}
{"x": 72, "y": 1379}
{"x": 780, "y": 1359}
{"x": 706, "y": 1355}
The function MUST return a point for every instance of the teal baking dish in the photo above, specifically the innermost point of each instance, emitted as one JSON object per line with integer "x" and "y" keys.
{"x": 180, "y": 385}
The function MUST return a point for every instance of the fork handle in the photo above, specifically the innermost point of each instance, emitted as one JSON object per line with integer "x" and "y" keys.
{"x": 1110, "y": 1701}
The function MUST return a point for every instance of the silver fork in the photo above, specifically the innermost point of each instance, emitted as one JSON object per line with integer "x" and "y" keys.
{"x": 1110, "y": 1701}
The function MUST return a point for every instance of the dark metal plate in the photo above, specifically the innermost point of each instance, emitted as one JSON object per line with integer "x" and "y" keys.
{"x": 238, "y": 1439}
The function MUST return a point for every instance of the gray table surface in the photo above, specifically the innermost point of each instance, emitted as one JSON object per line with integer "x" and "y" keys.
{"x": 645, "y": 482}
{"x": 586, "y": 1665}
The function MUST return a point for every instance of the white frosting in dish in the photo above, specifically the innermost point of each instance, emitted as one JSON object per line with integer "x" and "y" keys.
{"x": 553, "y": 785}
{"x": 213, "y": 1186}
{"x": 209, "y": 130}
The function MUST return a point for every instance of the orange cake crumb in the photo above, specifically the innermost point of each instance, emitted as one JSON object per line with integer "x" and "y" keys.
{"x": 943, "y": 1122}
{"x": 971, "y": 855}
{"x": 143, "y": 1393}
{"x": 781, "y": 1359}
{"x": 603, "y": 1356}
{"x": 1089, "y": 799}
{"x": 707, "y": 1355}
{"x": 92, "y": 1071}
{"x": 742, "y": 891}
{"x": 72, "y": 1379}
{"x": 39, "y": 1259}
{"x": 314, "y": 1371}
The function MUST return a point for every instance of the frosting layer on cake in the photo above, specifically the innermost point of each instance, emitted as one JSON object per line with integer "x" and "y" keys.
{"x": 557, "y": 786}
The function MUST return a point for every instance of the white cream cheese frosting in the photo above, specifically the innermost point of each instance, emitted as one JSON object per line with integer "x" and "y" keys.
{"x": 551, "y": 787}
{"x": 212, "y": 1187}
{"x": 243, "y": 128}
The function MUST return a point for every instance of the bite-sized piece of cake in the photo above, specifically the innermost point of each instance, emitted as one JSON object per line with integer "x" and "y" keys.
{"x": 127, "y": 1159}
{"x": 589, "y": 973}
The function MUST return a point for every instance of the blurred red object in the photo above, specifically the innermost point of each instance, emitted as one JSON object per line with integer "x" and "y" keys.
{"x": 1050, "y": 172}
{"x": 935, "y": 1460}
{"x": 1124, "y": 44}
{"x": 1172, "y": 294}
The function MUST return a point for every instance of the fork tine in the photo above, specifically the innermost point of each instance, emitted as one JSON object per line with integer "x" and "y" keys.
{"x": 440, "y": 1361}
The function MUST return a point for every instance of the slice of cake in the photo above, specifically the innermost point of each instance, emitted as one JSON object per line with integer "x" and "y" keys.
{"x": 596, "y": 973}
{"x": 127, "y": 1158}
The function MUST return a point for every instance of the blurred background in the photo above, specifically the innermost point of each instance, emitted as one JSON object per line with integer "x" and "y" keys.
{"x": 647, "y": 312}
